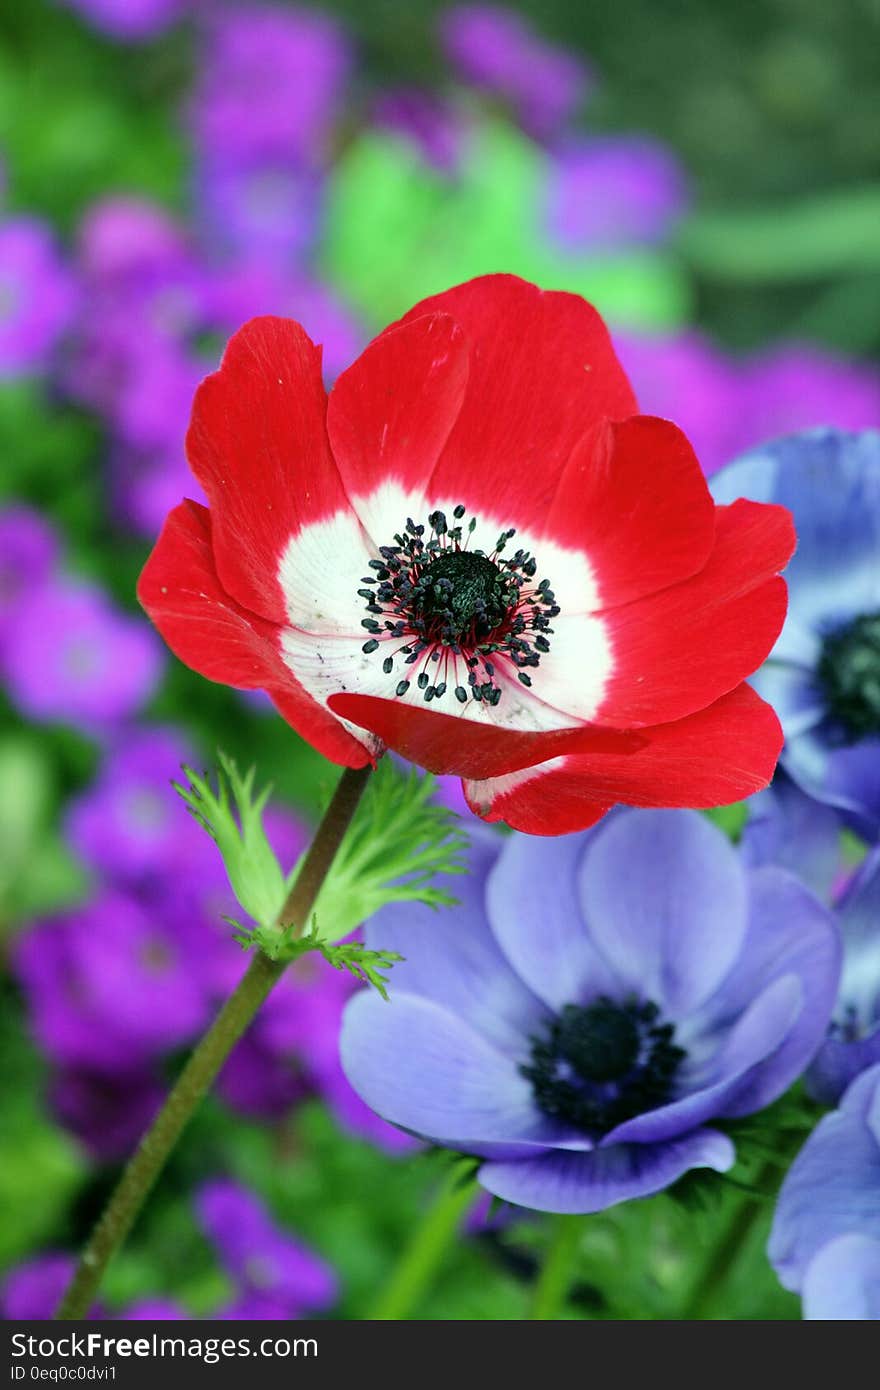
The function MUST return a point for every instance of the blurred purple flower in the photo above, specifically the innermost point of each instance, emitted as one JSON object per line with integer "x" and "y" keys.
{"x": 38, "y": 295}
{"x": 72, "y": 656}
{"x": 257, "y": 287}
{"x": 271, "y": 84}
{"x": 264, "y": 1261}
{"x": 121, "y": 238}
{"x": 686, "y": 379}
{"x": 131, "y": 20}
{"x": 107, "y": 1113}
{"x": 32, "y": 1291}
{"x": 132, "y": 827}
{"x": 497, "y": 51}
{"x": 258, "y": 209}
{"x": 428, "y": 122}
{"x": 825, "y": 1241}
{"x": 823, "y": 675}
{"x": 666, "y": 988}
{"x": 725, "y": 406}
{"x": 292, "y": 1051}
{"x": 796, "y": 387}
{"x": 608, "y": 193}
{"x": 110, "y": 985}
{"x": 28, "y": 557}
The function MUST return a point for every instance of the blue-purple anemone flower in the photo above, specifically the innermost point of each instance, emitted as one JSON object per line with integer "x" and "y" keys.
{"x": 823, "y": 675}
{"x": 825, "y": 1241}
{"x": 593, "y": 1004}
{"x": 792, "y": 830}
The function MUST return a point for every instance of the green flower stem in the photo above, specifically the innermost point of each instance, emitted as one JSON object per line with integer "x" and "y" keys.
{"x": 724, "y": 1257}
{"x": 554, "y": 1281}
{"x": 415, "y": 1270}
{"x": 205, "y": 1062}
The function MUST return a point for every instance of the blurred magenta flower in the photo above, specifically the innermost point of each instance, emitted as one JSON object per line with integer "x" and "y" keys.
{"x": 29, "y": 550}
{"x": 131, "y": 826}
{"x": 107, "y": 1110}
{"x": 497, "y": 51}
{"x": 131, "y": 20}
{"x": 727, "y": 406}
{"x": 264, "y": 1261}
{"x": 32, "y": 1291}
{"x": 825, "y": 1241}
{"x": 267, "y": 208}
{"x": 72, "y": 656}
{"x": 607, "y": 193}
{"x": 38, "y": 296}
{"x": 797, "y": 386}
{"x": 110, "y": 984}
{"x": 255, "y": 286}
{"x": 431, "y": 124}
{"x": 582, "y": 1042}
{"x": 126, "y": 239}
{"x": 271, "y": 84}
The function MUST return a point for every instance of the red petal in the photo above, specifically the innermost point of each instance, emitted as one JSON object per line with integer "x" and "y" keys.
{"x": 445, "y": 743}
{"x": 681, "y": 649}
{"x": 391, "y": 412}
{"x": 722, "y": 754}
{"x": 542, "y": 370}
{"x": 213, "y": 635}
{"x": 633, "y": 496}
{"x": 257, "y": 443}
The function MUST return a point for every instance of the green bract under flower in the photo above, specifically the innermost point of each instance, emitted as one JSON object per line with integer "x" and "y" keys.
{"x": 399, "y": 842}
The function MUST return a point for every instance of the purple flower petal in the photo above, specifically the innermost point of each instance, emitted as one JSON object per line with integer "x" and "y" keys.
{"x": 791, "y": 936}
{"x": 582, "y": 1183}
{"x": 664, "y": 897}
{"x": 496, "y": 50}
{"x": 713, "y": 1084}
{"x": 542, "y": 934}
{"x": 452, "y": 957}
{"x": 422, "y": 1068}
{"x": 831, "y": 1188}
{"x": 264, "y": 1259}
{"x": 795, "y": 832}
{"x": 842, "y": 1281}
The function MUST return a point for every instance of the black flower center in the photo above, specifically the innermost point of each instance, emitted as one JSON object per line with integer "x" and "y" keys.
{"x": 465, "y": 594}
{"x": 457, "y": 615}
{"x": 849, "y": 674}
{"x": 599, "y": 1064}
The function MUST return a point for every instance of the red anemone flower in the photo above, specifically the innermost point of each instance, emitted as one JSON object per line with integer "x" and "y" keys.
{"x": 477, "y": 553}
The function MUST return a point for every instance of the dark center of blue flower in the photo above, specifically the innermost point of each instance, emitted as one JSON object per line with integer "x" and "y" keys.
{"x": 599, "y": 1064}
{"x": 849, "y": 674}
{"x": 456, "y": 614}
